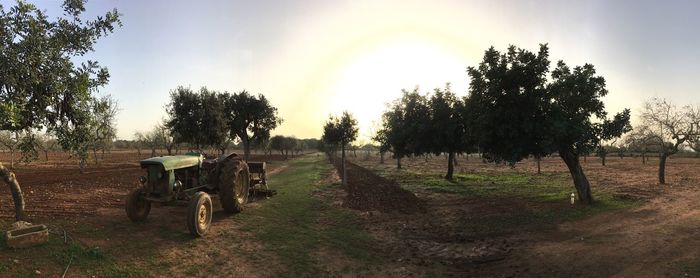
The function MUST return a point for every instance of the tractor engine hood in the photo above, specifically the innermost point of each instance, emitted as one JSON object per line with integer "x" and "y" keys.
{"x": 173, "y": 162}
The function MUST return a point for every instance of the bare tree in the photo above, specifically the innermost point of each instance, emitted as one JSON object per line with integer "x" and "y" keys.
{"x": 669, "y": 127}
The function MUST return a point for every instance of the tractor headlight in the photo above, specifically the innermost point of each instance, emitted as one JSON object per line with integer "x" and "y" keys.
{"x": 142, "y": 179}
{"x": 177, "y": 185}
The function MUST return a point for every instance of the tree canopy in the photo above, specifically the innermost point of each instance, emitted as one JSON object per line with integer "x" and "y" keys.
{"x": 250, "y": 118}
{"x": 519, "y": 113}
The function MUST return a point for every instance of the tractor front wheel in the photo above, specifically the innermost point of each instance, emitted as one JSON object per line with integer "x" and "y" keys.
{"x": 199, "y": 214}
{"x": 137, "y": 208}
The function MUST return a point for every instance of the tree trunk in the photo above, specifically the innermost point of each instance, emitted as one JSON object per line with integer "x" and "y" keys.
{"x": 345, "y": 174}
{"x": 153, "y": 152}
{"x": 82, "y": 164}
{"x": 454, "y": 158}
{"x": 246, "y": 146}
{"x": 12, "y": 158}
{"x": 138, "y": 150}
{"x": 381, "y": 157}
{"x": 398, "y": 163}
{"x": 662, "y": 168}
{"x": 450, "y": 166}
{"x": 94, "y": 153}
{"x": 583, "y": 187}
{"x": 9, "y": 178}
{"x": 602, "y": 159}
{"x": 644, "y": 158}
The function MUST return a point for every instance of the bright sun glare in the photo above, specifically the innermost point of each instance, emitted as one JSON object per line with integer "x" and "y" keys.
{"x": 376, "y": 76}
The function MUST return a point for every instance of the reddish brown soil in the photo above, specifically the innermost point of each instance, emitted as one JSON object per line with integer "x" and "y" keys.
{"x": 659, "y": 238}
{"x": 368, "y": 191}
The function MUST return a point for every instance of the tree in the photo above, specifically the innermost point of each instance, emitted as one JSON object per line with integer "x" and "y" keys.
{"x": 405, "y": 130}
{"x": 10, "y": 140}
{"x": 250, "y": 119}
{"x": 277, "y": 143}
{"x": 340, "y": 131}
{"x": 104, "y": 129}
{"x": 191, "y": 112}
{"x": 640, "y": 141}
{"x": 139, "y": 141}
{"x": 518, "y": 113}
{"x": 46, "y": 143}
{"x": 41, "y": 86}
{"x": 669, "y": 128}
{"x": 154, "y": 139}
{"x": 447, "y": 120}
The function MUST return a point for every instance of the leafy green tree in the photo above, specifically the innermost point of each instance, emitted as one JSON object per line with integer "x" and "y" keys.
{"x": 41, "y": 85}
{"x": 406, "y": 128}
{"x": 341, "y": 131}
{"x": 449, "y": 133}
{"x": 518, "y": 113}
{"x": 198, "y": 118}
{"x": 277, "y": 143}
{"x": 250, "y": 118}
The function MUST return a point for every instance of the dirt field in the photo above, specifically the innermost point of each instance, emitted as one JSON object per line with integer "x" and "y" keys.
{"x": 655, "y": 237}
{"x": 495, "y": 221}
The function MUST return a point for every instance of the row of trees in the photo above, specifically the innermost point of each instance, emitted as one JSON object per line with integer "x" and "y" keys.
{"x": 516, "y": 108}
{"x": 212, "y": 118}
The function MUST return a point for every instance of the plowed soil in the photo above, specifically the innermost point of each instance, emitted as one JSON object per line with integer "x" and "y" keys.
{"x": 368, "y": 191}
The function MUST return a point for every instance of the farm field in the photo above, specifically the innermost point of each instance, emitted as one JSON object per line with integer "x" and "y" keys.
{"x": 493, "y": 221}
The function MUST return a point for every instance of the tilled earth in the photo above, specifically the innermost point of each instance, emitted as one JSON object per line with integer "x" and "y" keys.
{"x": 367, "y": 191}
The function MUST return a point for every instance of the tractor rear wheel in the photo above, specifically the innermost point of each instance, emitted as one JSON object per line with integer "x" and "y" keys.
{"x": 137, "y": 208}
{"x": 234, "y": 182}
{"x": 199, "y": 214}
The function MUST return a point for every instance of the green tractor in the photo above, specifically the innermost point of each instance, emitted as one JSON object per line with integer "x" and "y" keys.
{"x": 191, "y": 180}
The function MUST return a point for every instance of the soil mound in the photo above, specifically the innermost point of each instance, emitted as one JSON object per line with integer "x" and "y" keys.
{"x": 368, "y": 191}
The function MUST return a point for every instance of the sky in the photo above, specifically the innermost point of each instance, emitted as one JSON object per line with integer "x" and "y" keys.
{"x": 318, "y": 58}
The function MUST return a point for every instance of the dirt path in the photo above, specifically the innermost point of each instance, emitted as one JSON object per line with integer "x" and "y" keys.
{"x": 660, "y": 238}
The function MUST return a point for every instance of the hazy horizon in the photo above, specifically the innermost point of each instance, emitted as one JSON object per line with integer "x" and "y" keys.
{"x": 316, "y": 58}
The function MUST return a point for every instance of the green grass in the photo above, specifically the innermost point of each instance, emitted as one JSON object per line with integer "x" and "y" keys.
{"x": 295, "y": 226}
{"x": 544, "y": 198}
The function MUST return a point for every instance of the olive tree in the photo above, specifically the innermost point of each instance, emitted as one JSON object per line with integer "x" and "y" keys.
{"x": 42, "y": 87}
{"x": 198, "y": 118}
{"x": 250, "y": 118}
{"x": 519, "y": 113}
